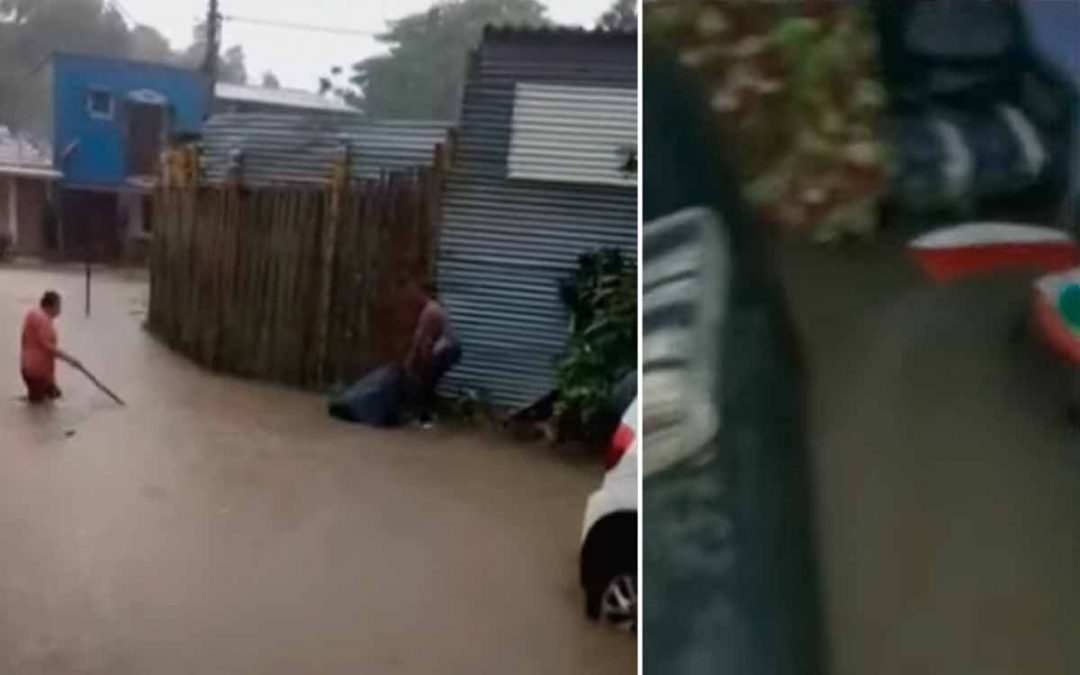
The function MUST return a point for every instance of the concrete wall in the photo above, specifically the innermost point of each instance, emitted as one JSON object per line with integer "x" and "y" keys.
{"x": 31, "y": 213}
{"x": 22, "y": 213}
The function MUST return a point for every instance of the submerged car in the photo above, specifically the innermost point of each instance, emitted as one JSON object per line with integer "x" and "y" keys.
{"x": 609, "y": 539}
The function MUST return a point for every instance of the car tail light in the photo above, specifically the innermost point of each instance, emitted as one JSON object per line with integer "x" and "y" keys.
{"x": 620, "y": 443}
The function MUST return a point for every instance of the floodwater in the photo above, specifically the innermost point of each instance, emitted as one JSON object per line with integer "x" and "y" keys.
{"x": 221, "y": 526}
{"x": 948, "y": 479}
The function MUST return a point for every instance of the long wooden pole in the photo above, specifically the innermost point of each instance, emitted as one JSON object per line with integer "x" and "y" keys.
{"x": 88, "y": 266}
{"x": 108, "y": 392}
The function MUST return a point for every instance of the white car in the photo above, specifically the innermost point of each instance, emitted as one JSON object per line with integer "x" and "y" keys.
{"x": 609, "y": 549}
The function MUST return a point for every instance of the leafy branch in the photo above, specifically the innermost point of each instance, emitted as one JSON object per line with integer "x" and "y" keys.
{"x": 601, "y": 298}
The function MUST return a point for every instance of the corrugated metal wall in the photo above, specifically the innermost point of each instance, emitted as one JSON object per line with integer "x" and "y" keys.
{"x": 573, "y": 134}
{"x": 302, "y": 148}
{"x": 506, "y": 244}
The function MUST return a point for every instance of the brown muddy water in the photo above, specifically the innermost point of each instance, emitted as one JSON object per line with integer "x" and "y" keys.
{"x": 948, "y": 479}
{"x": 222, "y": 526}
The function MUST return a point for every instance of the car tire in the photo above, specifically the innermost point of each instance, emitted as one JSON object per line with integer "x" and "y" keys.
{"x": 609, "y": 572}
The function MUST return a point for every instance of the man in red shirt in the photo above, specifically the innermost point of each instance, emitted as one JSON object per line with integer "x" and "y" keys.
{"x": 434, "y": 351}
{"x": 40, "y": 350}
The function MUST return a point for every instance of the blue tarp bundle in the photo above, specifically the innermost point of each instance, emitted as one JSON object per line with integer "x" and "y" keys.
{"x": 377, "y": 400}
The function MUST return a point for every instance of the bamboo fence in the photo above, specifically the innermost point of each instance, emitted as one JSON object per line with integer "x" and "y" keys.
{"x": 297, "y": 285}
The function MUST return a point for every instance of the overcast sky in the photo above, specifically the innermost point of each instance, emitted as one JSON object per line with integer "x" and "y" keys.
{"x": 299, "y": 58}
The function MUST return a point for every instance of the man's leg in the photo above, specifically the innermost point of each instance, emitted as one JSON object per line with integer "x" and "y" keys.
{"x": 40, "y": 390}
{"x": 426, "y": 402}
{"x": 34, "y": 392}
{"x": 441, "y": 363}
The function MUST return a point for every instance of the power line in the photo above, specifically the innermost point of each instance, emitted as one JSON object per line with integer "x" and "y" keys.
{"x": 301, "y": 26}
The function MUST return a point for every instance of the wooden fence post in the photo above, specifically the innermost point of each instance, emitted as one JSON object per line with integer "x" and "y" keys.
{"x": 338, "y": 185}
{"x": 291, "y": 284}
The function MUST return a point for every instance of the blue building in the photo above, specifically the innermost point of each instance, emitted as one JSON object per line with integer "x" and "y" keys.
{"x": 111, "y": 118}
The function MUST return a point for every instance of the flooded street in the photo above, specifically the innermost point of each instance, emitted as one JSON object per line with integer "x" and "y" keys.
{"x": 222, "y": 526}
{"x": 948, "y": 479}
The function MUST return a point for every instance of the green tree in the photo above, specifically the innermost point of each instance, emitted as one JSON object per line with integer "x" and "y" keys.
{"x": 621, "y": 17}
{"x": 37, "y": 28}
{"x": 337, "y": 84}
{"x": 270, "y": 81}
{"x": 147, "y": 44}
{"x": 32, "y": 30}
{"x": 232, "y": 66}
{"x": 423, "y": 73}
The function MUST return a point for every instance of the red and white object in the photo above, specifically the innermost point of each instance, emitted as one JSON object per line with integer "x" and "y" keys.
{"x": 979, "y": 248}
{"x": 1052, "y": 326}
{"x": 619, "y": 491}
{"x": 609, "y": 538}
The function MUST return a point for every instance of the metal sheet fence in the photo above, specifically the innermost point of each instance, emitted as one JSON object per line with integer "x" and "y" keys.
{"x": 296, "y": 285}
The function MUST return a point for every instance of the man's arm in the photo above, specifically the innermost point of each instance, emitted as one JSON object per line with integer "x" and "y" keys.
{"x": 67, "y": 358}
{"x": 414, "y": 345}
{"x": 423, "y": 339}
{"x": 55, "y": 351}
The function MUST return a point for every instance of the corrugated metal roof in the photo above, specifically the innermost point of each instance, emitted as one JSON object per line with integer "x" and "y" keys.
{"x": 507, "y": 244}
{"x": 23, "y": 156}
{"x": 557, "y": 32}
{"x": 302, "y": 149}
{"x": 285, "y": 98}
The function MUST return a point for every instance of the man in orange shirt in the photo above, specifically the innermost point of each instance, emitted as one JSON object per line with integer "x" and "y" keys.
{"x": 40, "y": 350}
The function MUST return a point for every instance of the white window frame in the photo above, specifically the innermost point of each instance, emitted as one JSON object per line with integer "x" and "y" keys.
{"x": 573, "y": 134}
{"x": 94, "y": 114}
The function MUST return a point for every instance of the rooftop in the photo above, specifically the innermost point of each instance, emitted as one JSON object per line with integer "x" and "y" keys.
{"x": 558, "y": 33}
{"x": 277, "y": 149}
{"x": 22, "y": 156}
{"x": 285, "y": 98}
{"x": 61, "y": 55}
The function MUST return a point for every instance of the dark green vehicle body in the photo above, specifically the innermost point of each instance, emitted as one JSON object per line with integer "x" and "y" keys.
{"x": 731, "y": 586}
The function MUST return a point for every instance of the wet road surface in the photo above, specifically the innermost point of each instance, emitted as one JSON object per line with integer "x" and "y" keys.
{"x": 221, "y": 526}
{"x": 948, "y": 481}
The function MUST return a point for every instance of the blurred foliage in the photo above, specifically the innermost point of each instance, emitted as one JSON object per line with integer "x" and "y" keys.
{"x": 472, "y": 408}
{"x": 621, "y": 17}
{"x": 797, "y": 86}
{"x": 601, "y": 298}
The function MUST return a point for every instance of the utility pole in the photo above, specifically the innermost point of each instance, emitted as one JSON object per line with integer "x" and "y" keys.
{"x": 210, "y": 59}
{"x": 213, "y": 42}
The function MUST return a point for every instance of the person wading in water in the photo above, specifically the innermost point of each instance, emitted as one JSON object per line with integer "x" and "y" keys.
{"x": 40, "y": 350}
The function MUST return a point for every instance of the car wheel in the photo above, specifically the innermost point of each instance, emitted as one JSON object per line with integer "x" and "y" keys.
{"x": 610, "y": 574}
{"x": 617, "y": 602}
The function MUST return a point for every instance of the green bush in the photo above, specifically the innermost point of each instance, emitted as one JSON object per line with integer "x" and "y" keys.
{"x": 797, "y": 88}
{"x": 601, "y": 298}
